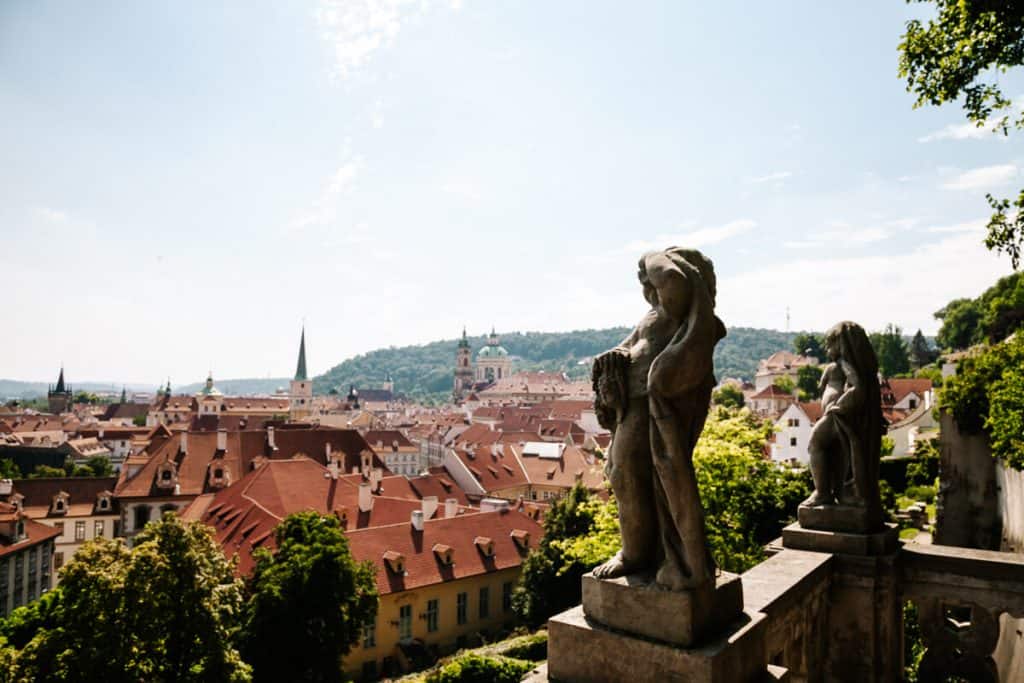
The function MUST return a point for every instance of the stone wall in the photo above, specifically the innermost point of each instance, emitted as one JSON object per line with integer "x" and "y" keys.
{"x": 967, "y": 509}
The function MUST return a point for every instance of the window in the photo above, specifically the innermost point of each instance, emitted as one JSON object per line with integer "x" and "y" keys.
{"x": 461, "y": 608}
{"x": 913, "y": 403}
{"x": 97, "y": 529}
{"x": 794, "y": 422}
{"x": 792, "y": 441}
{"x": 141, "y": 517}
{"x": 33, "y": 575}
{"x": 58, "y": 560}
{"x": 19, "y": 580}
{"x": 80, "y": 531}
{"x": 431, "y": 616}
{"x": 59, "y": 526}
{"x": 506, "y": 596}
{"x": 485, "y": 596}
{"x": 405, "y": 622}
{"x": 370, "y": 635}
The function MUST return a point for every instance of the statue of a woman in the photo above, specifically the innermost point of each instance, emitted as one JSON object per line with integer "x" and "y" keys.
{"x": 846, "y": 442}
{"x": 653, "y": 391}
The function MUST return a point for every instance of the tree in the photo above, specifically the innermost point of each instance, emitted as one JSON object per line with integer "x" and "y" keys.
{"x": 893, "y": 356}
{"x": 166, "y": 610}
{"x": 960, "y": 324}
{"x": 728, "y": 395}
{"x": 785, "y": 384}
{"x": 99, "y": 466}
{"x": 811, "y": 345}
{"x": 8, "y": 470}
{"x": 960, "y": 53}
{"x": 921, "y": 353}
{"x": 309, "y": 602}
{"x": 807, "y": 378}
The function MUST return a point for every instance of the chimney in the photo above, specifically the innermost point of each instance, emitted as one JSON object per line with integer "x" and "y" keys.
{"x": 451, "y": 507}
{"x": 270, "y": 438}
{"x": 184, "y": 443}
{"x": 6, "y": 486}
{"x": 365, "y": 497}
{"x": 222, "y": 439}
{"x": 429, "y": 506}
{"x": 327, "y": 451}
{"x": 332, "y": 467}
{"x": 417, "y": 520}
{"x": 100, "y": 435}
{"x": 375, "y": 477}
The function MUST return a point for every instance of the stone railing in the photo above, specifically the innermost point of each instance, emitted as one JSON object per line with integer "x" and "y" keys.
{"x": 961, "y": 594}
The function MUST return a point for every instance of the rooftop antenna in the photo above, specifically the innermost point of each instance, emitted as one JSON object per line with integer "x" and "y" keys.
{"x": 787, "y": 318}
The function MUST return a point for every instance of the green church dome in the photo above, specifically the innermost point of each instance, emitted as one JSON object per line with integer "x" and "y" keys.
{"x": 492, "y": 352}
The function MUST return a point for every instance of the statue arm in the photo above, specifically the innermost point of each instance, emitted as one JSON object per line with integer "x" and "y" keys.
{"x": 853, "y": 397}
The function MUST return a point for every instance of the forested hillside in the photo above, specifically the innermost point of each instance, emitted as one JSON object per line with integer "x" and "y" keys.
{"x": 426, "y": 371}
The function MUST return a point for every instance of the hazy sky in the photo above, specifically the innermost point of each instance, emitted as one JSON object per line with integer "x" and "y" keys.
{"x": 182, "y": 183}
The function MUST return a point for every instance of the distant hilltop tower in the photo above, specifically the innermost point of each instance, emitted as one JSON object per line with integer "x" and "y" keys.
{"x": 59, "y": 397}
{"x": 463, "y": 368}
{"x": 493, "y": 362}
{"x": 300, "y": 394}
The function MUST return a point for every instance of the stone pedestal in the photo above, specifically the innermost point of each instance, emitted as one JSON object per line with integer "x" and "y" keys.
{"x": 884, "y": 542}
{"x": 864, "y": 633}
{"x": 636, "y": 604}
{"x": 847, "y": 518}
{"x": 630, "y": 629}
{"x": 582, "y": 651}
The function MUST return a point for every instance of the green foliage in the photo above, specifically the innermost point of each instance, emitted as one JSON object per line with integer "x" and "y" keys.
{"x": 996, "y": 314}
{"x": 166, "y": 610}
{"x": 960, "y": 52}
{"x": 925, "y": 466}
{"x": 139, "y": 420}
{"x": 425, "y": 371}
{"x": 888, "y": 445}
{"x": 99, "y": 466}
{"x": 987, "y": 395}
{"x": 892, "y": 352}
{"x": 728, "y": 396}
{"x": 747, "y": 499}
{"x": 309, "y": 601}
{"x": 785, "y": 383}
{"x": 921, "y": 354}
{"x": 475, "y": 668}
{"x": 46, "y": 472}
{"x": 925, "y": 494}
{"x": 913, "y": 644}
{"x": 8, "y": 470}
{"x": 810, "y": 344}
{"x": 550, "y": 581}
{"x": 932, "y": 373}
{"x": 531, "y": 648}
{"x": 807, "y": 378}
{"x": 86, "y": 397}
{"x": 601, "y": 541}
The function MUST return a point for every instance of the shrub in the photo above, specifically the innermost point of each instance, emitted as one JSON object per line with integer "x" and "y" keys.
{"x": 922, "y": 493}
{"x": 474, "y": 668}
{"x": 533, "y": 648}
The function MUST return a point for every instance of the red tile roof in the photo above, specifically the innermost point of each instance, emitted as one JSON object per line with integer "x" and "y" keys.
{"x": 423, "y": 567}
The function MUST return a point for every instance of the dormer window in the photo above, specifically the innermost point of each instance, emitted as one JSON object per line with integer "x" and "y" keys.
{"x": 59, "y": 505}
{"x": 485, "y": 545}
{"x": 165, "y": 475}
{"x": 445, "y": 554}
{"x": 103, "y": 503}
{"x": 395, "y": 562}
{"x": 521, "y": 538}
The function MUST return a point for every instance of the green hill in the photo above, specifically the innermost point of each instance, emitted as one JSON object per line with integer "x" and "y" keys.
{"x": 425, "y": 371}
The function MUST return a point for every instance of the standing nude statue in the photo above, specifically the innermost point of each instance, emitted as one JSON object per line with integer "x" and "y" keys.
{"x": 653, "y": 391}
{"x": 846, "y": 442}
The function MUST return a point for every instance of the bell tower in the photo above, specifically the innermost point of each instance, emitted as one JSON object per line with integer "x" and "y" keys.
{"x": 300, "y": 394}
{"x": 463, "y": 368}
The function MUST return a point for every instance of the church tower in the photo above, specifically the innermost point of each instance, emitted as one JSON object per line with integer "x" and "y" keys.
{"x": 59, "y": 397}
{"x": 300, "y": 393}
{"x": 463, "y": 368}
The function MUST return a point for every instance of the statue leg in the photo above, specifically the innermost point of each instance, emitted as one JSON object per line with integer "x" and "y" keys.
{"x": 686, "y": 561}
{"x": 632, "y": 481}
{"x": 823, "y": 472}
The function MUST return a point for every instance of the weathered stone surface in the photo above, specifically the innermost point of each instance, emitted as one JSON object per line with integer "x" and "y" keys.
{"x": 582, "y": 651}
{"x": 848, "y": 518}
{"x": 880, "y": 543}
{"x": 636, "y": 604}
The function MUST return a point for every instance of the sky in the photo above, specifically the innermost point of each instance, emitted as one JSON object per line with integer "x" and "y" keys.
{"x": 184, "y": 184}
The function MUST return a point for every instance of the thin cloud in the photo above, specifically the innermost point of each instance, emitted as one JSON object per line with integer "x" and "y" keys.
{"x": 51, "y": 215}
{"x": 324, "y": 208}
{"x": 777, "y": 176}
{"x": 981, "y": 178}
{"x": 695, "y": 238}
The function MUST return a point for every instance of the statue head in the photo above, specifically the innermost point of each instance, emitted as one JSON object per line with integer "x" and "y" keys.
{"x": 682, "y": 282}
{"x": 849, "y": 341}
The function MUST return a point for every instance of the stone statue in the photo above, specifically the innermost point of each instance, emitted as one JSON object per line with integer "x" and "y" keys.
{"x": 846, "y": 442}
{"x": 653, "y": 391}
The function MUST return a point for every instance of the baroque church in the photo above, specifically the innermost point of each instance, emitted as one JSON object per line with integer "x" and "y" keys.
{"x": 493, "y": 363}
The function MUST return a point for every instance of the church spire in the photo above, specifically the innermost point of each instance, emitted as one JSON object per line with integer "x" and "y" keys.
{"x": 60, "y": 381}
{"x": 300, "y": 369}
{"x": 124, "y": 394}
